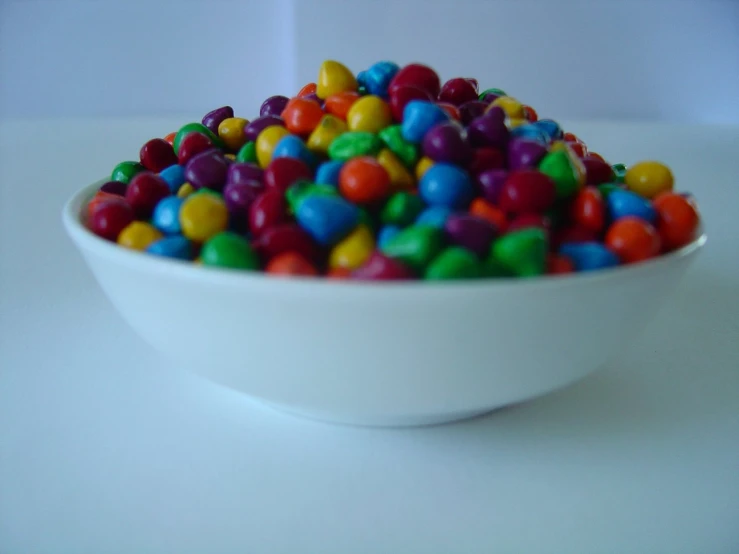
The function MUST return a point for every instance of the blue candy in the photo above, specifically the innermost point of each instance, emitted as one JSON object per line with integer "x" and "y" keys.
{"x": 446, "y": 185}
{"x": 172, "y": 247}
{"x": 166, "y": 215}
{"x": 377, "y": 78}
{"x": 386, "y": 234}
{"x": 623, "y": 203}
{"x": 530, "y": 131}
{"x": 328, "y": 219}
{"x": 175, "y": 177}
{"x": 361, "y": 78}
{"x": 418, "y": 117}
{"x": 328, "y": 172}
{"x": 550, "y": 128}
{"x": 435, "y": 216}
{"x": 291, "y": 146}
{"x": 588, "y": 256}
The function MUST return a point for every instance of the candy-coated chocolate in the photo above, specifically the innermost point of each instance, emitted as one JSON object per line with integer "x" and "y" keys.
{"x": 308, "y": 90}
{"x": 415, "y": 246}
{"x": 589, "y": 256}
{"x": 471, "y": 232}
{"x": 266, "y": 142}
{"x": 239, "y": 198}
{"x": 202, "y": 216}
{"x": 285, "y": 237}
{"x": 231, "y": 131}
{"x": 527, "y": 221}
{"x": 386, "y": 233}
{"x": 490, "y": 184}
{"x": 177, "y": 247}
{"x": 328, "y": 219}
{"x": 195, "y": 128}
{"x": 354, "y": 143}
{"x": 521, "y": 129}
{"x": 125, "y": 171}
{"x": 418, "y": 118}
{"x": 281, "y": 173}
{"x": 550, "y": 128}
{"x": 447, "y": 142}
{"x": 558, "y": 264}
{"x": 623, "y": 203}
{"x": 185, "y": 190}
{"x": 451, "y": 110}
{"x": 400, "y": 177}
{"x": 597, "y": 171}
{"x": 379, "y": 267}
{"x": 166, "y": 215}
{"x": 407, "y": 152}
{"x": 191, "y": 145}
{"x": 339, "y": 104}
{"x": 588, "y": 209}
{"x": 512, "y": 107}
{"x": 458, "y": 91}
{"x": 633, "y": 240}
{"x": 423, "y": 165}
{"x": 402, "y": 95}
{"x": 302, "y": 189}
{"x": 273, "y": 106}
{"x": 247, "y": 153}
{"x": 353, "y": 250}
{"x": 525, "y": 153}
{"x": 522, "y": 252}
{"x": 207, "y": 170}
{"x": 471, "y": 110}
{"x": 619, "y": 171}
{"x": 327, "y": 130}
{"x": 267, "y": 210}
{"x": 334, "y": 77}
{"x": 301, "y": 115}
{"x": 454, "y": 262}
{"x": 484, "y": 159}
{"x": 527, "y": 191}
{"x": 174, "y": 176}
{"x": 291, "y": 264}
{"x": 328, "y": 172}
{"x": 255, "y": 127}
{"x": 677, "y": 221}
{"x": 401, "y": 209}
{"x": 417, "y": 75}
{"x": 565, "y": 170}
{"x": 157, "y": 154}
{"x": 138, "y": 235}
{"x": 170, "y": 137}
{"x": 116, "y": 188}
{"x": 488, "y": 95}
{"x": 648, "y": 179}
{"x": 213, "y": 119}
{"x": 144, "y": 191}
{"x": 489, "y": 129}
{"x": 245, "y": 172}
{"x": 434, "y": 216}
{"x": 110, "y": 217}
{"x": 228, "y": 250}
{"x": 363, "y": 181}
{"x": 377, "y": 78}
{"x": 291, "y": 146}
{"x": 489, "y": 212}
{"x": 370, "y": 113}
{"x": 446, "y": 185}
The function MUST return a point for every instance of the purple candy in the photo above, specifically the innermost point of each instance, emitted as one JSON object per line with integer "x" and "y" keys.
{"x": 489, "y": 129}
{"x": 490, "y": 183}
{"x": 207, "y": 170}
{"x": 470, "y": 232}
{"x": 114, "y": 187}
{"x": 213, "y": 119}
{"x": 447, "y": 142}
{"x": 239, "y": 196}
{"x": 525, "y": 153}
{"x": 242, "y": 172}
{"x": 273, "y": 105}
{"x": 489, "y": 97}
{"x": 313, "y": 96}
{"x": 471, "y": 110}
{"x": 252, "y": 130}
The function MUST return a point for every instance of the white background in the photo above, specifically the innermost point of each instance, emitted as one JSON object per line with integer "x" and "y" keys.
{"x": 673, "y": 60}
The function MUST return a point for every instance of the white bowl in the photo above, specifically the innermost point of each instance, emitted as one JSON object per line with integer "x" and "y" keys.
{"x": 390, "y": 354}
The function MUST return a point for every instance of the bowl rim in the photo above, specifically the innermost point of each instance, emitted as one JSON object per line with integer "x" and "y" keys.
{"x": 72, "y": 214}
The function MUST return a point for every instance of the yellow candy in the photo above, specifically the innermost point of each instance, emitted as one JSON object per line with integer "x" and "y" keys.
{"x": 231, "y": 130}
{"x": 400, "y": 177}
{"x": 185, "y": 190}
{"x": 354, "y": 250}
{"x": 203, "y": 215}
{"x": 138, "y": 235}
{"x": 512, "y": 107}
{"x": 370, "y": 114}
{"x": 334, "y": 77}
{"x": 423, "y": 165}
{"x": 266, "y": 142}
{"x": 325, "y": 132}
{"x": 648, "y": 179}
{"x": 231, "y": 157}
{"x": 513, "y": 123}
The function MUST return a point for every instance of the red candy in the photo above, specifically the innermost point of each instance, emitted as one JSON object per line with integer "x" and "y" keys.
{"x": 578, "y": 148}
{"x": 308, "y": 89}
{"x": 558, "y": 264}
{"x": 268, "y": 210}
{"x": 285, "y": 237}
{"x": 458, "y": 91}
{"x": 379, "y": 267}
{"x": 157, "y": 154}
{"x": 291, "y": 264}
{"x": 677, "y": 219}
{"x": 530, "y": 113}
{"x": 144, "y": 192}
{"x": 526, "y": 221}
{"x": 588, "y": 209}
{"x": 574, "y": 233}
{"x": 450, "y": 109}
{"x": 527, "y": 191}
{"x": 283, "y": 172}
{"x": 191, "y": 145}
{"x": 417, "y": 75}
{"x": 401, "y": 95}
{"x": 110, "y": 217}
{"x": 486, "y": 158}
{"x": 99, "y": 198}
{"x": 597, "y": 170}
{"x": 633, "y": 240}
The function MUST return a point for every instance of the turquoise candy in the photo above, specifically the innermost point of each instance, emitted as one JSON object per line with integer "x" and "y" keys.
{"x": 550, "y": 128}
{"x": 328, "y": 172}
{"x": 291, "y": 146}
{"x": 386, "y": 234}
{"x": 434, "y": 216}
{"x": 530, "y": 131}
{"x": 177, "y": 247}
{"x": 446, "y": 185}
{"x": 166, "y": 215}
{"x": 354, "y": 143}
{"x": 418, "y": 117}
{"x": 415, "y": 246}
{"x": 619, "y": 170}
{"x": 589, "y": 256}
{"x": 377, "y": 78}
{"x": 454, "y": 263}
{"x": 174, "y": 175}
{"x": 624, "y": 203}
{"x": 328, "y": 219}
{"x": 522, "y": 252}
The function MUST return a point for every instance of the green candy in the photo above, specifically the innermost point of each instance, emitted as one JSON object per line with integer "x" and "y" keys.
{"x": 247, "y": 153}
{"x": 365, "y": 218}
{"x": 415, "y": 246}
{"x": 125, "y": 171}
{"x": 497, "y": 91}
{"x": 620, "y": 171}
{"x": 607, "y": 188}
{"x": 302, "y": 189}
{"x": 493, "y": 268}
{"x": 523, "y": 252}
{"x": 454, "y": 263}
{"x": 401, "y": 209}
{"x": 230, "y": 250}
{"x": 558, "y": 166}
{"x": 352, "y": 144}
{"x": 406, "y": 152}
{"x": 196, "y": 128}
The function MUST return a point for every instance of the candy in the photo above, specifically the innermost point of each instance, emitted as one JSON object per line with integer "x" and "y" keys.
{"x": 490, "y": 184}
{"x": 138, "y": 235}
{"x": 281, "y": 173}
{"x": 623, "y": 203}
{"x": 484, "y": 159}
{"x": 327, "y": 219}
{"x": 191, "y": 145}
{"x": 266, "y": 142}
{"x": 352, "y": 144}
{"x": 125, "y": 171}
{"x": 454, "y": 263}
{"x": 597, "y": 171}
{"x": 415, "y": 246}
{"x": 423, "y": 165}
{"x": 195, "y": 128}
{"x": 255, "y": 127}
{"x": 619, "y": 172}
{"x": 302, "y": 189}
{"x": 489, "y": 212}
{"x": 285, "y": 237}
{"x": 245, "y": 172}
{"x": 291, "y": 146}
{"x": 340, "y": 103}
{"x": 522, "y": 252}
{"x": 633, "y": 240}
{"x": 185, "y": 190}
{"x": 328, "y": 172}
{"x": 116, "y": 188}
{"x": 109, "y": 218}
{"x": 434, "y": 216}
{"x": 267, "y": 210}
{"x": 458, "y": 91}
{"x": 406, "y": 152}
{"x": 157, "y": 154}
{"x": 491, "y": 94}
{"x": 378, "y": 77}
{"x": 327, "y": 130}
{"x": 512, "y": 107}
{"x": 301, "y": 115}
{"x": 525, "y": 153}
{"x": 558, "y": 264}
{"x": 527, "y": 191}
{"x": 447, "y": 142}
{"x": 402, "y": 95}
{"x": 291, "y": 264}
{"x": 446, "y": 185}
{"x": 677, "y": 220}
{"x": 334, "y": 77}
{"x": 417, "y": 75}
{"x": 273, "y": 106}
{"x": 419, "y": 117}
{"x": 369, "y": 113}
{"x": 473, "y": 233}
{"x": 400, "y": 177}
{"x": 379, "y": 267}
{"x": 166, "y": 215}
{"x": 353, "y": 250}
{"x": 588, "y": 209}
{"x": 648, "y": 179}
{"x": 589, "y": 256}
{"x": 144, "y": 192}
{"x": 363, "y": 180}
{"x": 385, "y": 234}
{"x": 401, "y": 209}
{"x": 174, "y": 175}
{"x": 213, "y": 119}
{"x": 228, "y": 250}
{"x": 489, "y": 129}
{"x": 561, "y": 167}
{"x": 177, "y": 247}
{"x": 231, "y": 131}
{"x": 526, "y": 221}
{"x": 202, "y": 216}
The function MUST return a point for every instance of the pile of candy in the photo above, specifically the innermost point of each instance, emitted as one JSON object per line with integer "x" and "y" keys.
{"x": 390, "y": 175}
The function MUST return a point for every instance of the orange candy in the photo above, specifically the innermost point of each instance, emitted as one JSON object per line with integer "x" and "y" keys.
{"x": 588, "y": 209}
{"x": 170, "y": 137}
{"x": 310, "y": 88}
{"x": 677, "y": 219}
{"x": 578, "y": 148}
{"x": 339, "y": 104}
{"x": 290, "y": 263}
{"x": 101, "y": 196}
{"x": 489, "y": 212}
{"x": 557, "y": 264}
{"x": 339, "y": 273}
{"x": 530, "y": 113}
{"x": 302, "y": 115}
{"x": 633, "y": 240}
{"x": 450, "y": 109}
{"x": 363, "y": 181}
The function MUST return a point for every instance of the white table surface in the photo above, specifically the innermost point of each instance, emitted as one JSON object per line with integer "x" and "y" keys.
{"x": 107, "y": 448}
